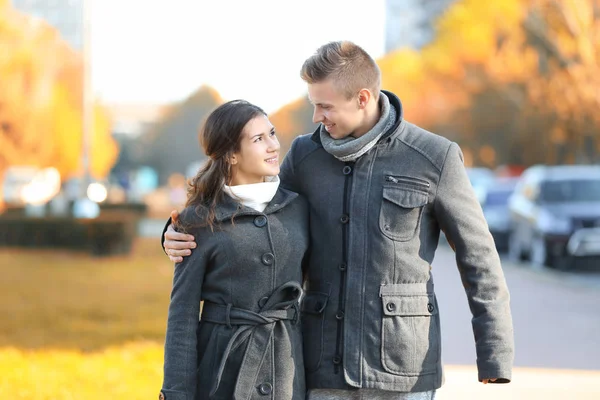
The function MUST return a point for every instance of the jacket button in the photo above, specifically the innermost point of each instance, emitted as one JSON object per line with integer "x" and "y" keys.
{"x": 344, "y": 219}
{"x": 337, "y": 360}
{"x": 343, "y": 266}
{"x": 260, "y": 221}
{"x": 318, "y": 306}
{"x": 265, "y": 388}
{"x": 262, "y": 301}
{"x": 429, "y": 307}
{"x": 268, "y": 258}
{"x": 391, "y": 307}
{"x": 347, "y": 170}
{"x": 161, "y": 396}
{"x": 340, "y": 315}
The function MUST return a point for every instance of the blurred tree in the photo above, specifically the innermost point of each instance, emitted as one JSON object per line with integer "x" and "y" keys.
{"x": 172, "y": 144}
{"x": 41, "y": 101}
{"x": 531, "y": 72}
{"x": 567, "y": 36}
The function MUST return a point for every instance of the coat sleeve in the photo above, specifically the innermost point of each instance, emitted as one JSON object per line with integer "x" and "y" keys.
{"x": 180, "y": 365}
{"x": 460, "y": 216}
{"x": 162, "y": 236}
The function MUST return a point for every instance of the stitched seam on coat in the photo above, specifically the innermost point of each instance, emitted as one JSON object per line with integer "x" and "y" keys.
{"x": 437, "y": 188}
{"x": 422, "y": 153}
{"x": 304, "y": 156}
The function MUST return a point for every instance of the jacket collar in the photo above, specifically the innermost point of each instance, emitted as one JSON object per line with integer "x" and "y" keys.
{"x": 228, "y": 207}
{"x": 394, "y": 102}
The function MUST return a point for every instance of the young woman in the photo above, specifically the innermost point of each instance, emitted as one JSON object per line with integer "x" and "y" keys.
{"x": 251, "y": 237}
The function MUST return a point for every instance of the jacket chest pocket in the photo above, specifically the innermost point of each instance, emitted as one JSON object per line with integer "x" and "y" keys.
{"x": 401, "y": 208}
{"x": 410, "y": 333}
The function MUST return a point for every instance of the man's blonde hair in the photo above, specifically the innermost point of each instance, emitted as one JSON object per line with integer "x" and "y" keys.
{"x": 348, "y": 66}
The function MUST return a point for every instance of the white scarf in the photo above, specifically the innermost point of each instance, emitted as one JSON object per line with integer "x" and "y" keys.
{"x": 255, "y": 195}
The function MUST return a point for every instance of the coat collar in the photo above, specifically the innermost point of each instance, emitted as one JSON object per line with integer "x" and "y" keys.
{"x": 394, "y": 102}
{"x": 228, "y": 207}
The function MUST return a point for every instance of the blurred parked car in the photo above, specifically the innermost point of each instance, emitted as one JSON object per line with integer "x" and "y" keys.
{"x": 495, "y": 209}
{"x": 555, "y": 216}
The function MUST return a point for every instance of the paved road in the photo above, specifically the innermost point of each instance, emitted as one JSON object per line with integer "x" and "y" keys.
{"x": 556, "y": 315}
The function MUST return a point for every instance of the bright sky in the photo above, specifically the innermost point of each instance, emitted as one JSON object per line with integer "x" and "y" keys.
{"x": 156, "y": 51}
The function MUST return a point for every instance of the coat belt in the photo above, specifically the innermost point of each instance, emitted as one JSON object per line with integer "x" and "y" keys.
{"x": 254, "y": 328}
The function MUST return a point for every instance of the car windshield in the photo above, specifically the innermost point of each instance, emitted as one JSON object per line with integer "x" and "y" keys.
{"x": 570, "y": 191}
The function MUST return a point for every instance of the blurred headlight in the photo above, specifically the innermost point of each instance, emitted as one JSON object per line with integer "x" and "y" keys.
{"x": 97, "y": 192}
{"x": 42, "y": 188}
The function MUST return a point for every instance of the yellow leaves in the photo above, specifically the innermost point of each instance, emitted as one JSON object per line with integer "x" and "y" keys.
{"x": 68, "y": 139}
{"x": 128, "y": 372}
{"x": 470, "y": 28}
{"x": 40, "y": 100}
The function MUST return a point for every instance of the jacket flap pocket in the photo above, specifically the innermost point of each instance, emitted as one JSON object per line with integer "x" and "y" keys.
{"x": 314, "y": 302}
{"x": 405, "y": 197}
{"x": 409, "y": 305}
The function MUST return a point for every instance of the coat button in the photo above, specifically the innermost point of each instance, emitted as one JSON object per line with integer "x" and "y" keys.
{"x": 337, "y": 360}
{"x": 318, "y": 306}
{"x": 340, "y": 315}
{"x": 344, "y": 219}
{"x": 262, "y": 301}
{"x": 347, "y": 170}
{"x": 343, "y": 266}
{"x": 430, "y": 307}
{"x": 260, "y": 221}
{"x": 161, "y": 396}
{"x": 268, "y": 258}
{"x": 265, "y": 388}
{"x": 391, "y": 307}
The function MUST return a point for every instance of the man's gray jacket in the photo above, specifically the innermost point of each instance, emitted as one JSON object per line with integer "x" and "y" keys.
{"x": 370, "y": 316}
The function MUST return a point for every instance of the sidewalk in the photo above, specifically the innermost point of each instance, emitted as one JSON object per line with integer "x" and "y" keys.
{"x": 527, "y": 384}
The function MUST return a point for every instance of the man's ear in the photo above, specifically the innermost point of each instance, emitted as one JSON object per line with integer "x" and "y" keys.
{"x": 364, "y": 96}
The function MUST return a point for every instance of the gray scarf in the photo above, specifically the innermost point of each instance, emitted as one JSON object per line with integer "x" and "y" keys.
{"x": 351, "y": 148}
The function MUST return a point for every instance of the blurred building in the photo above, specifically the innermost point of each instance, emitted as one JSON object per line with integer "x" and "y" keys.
{"x": 411, "y": 23}
{"x": 65, "y": 15}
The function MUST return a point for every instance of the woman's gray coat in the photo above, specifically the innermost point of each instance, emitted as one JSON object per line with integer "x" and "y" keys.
{"x": 248, "y": 344}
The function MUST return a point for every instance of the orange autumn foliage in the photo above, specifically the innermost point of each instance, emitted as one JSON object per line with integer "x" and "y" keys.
{"x": 41, "y": 101}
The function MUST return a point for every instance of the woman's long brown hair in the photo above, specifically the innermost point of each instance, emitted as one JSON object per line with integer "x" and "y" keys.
{"x": 220, "y": 137}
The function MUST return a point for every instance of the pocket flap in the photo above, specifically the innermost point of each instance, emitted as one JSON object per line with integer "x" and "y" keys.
{"x": 405, "y": 197}
{"x": 314, "y": 302}
{"x": 409, "y": 305}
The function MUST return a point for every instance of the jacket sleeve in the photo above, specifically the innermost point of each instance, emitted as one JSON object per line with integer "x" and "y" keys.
{"x": 162, "y": 236}
{"x": 460, "y": 216}
{"x": 180, "y": 366}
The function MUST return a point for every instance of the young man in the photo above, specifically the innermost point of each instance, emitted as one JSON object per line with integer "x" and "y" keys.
{"x": 380, "y": 190}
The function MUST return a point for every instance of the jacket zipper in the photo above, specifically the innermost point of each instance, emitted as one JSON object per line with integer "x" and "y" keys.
{"x": 407, "y": 181}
